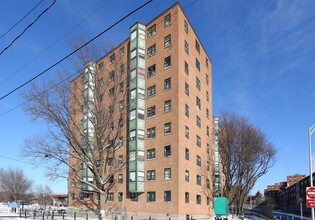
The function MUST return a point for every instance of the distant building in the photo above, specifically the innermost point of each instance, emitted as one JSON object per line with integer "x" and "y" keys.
{"x": 294, "y": 178}
{"x": 273, "y": 192}
{"x": 289, "y": 196}
{"x": 60, "y": 199}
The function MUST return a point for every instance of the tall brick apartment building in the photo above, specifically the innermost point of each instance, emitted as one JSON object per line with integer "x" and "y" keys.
{"x": 168, "y": 125}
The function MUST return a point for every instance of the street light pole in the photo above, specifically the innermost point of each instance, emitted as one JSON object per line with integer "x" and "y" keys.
{"x": 310, "y": 132}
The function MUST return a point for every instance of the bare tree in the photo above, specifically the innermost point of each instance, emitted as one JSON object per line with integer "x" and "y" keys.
{"x": 246, "y": 155}
{"x": 85, "y": 125}
{"x": 44, "y": 196}
{"x": 14, "y": 185}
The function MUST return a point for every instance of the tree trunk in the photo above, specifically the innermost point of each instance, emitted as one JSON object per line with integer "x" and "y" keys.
{"x": 102, "y": 202}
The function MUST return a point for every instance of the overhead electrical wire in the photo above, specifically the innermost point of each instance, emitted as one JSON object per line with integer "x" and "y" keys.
{"x": 5, "y": 33}
{"x": 30, "y": 25}
{"x": 22, "y": 161}
{"x": 52, "y": 44}
{"x": 67, "y": 77}
{"x": 73, "y": 52}
{"x": 53, "y": 86}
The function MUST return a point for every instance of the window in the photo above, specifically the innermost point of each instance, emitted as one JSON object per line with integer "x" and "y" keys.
{"x": 186, "y": 47}
{"x": 207, "y": 62}
{"x": 198, "y": 85}
{"x": 134, "y": 197}
{"x": 151, "y": 71}
{"x": 111, "y": 91}
{"x": 82, "y": 196}
{"x": 151, "y": 30}
{"x": 151, "y": 132}
{"x": 208, "y": 148}
{"x": 120, "y": 196}
{"x": 111, "y": 76}
{"x": 198, "y": 102}
{"x": 198, "y": 199}
{"x": 110, "y": 110}
{"x": 198, "y": 121}
{"x": 186, "y": 68}
{"x": 187, "y": 89}
{"x": 197, "y": 46}
{"x": 151, "y": 91}
{"x": 208, "y": 166}
{"x": 151, "y": 154}
{"x": 167, "y": 41}
{"x": 122, "y": 69}
{"x": 167, "y": 83}
{"x": 100, "y": 82}
{"x": 121, "y": 51}
{"x": 120, "y": 178}
{"x": 187, "y": 132}
{"x": 168, "y": 128}
{"x": 167, "y": 174}
{"x": 112, "y": 58}
{"x": 207, "y": 96}
{"x": 208, "y": 183}
{"x": 198, "y": 160}
{"x": 121, "y": 104}
{"x": 208, "y": 200}
{"x": 207, "y": 130}
{"x": 186, "y": 197}
{"x": 120, "y": 159}
{"x": 167, "y": 62}
{"x": 121, "y": 86}
{"x": 167, "y": 20}
{"x": 151, "y": 50}
{"x": 110, "y": 197}
{"x": 186, "y": 26}
{"x": 151, "y": 111}
{"x": 187, "y": 110}
{"x": 186, "y": 175}
{"x": 167, "y": 151}
{"x": 207, "y": 79}
{"x": 198, "y": 64}
{"x": 198, "y": 141}
{"x": 186, "y": 153}
{"x": 111, "y": 126}
{"x": 167, "y": 106}
{"x": 101, "y": 66}
{"x": 167, "y": 196}
{"x": 151, "y": 196}
{"x": 207, "y": 113}
{"x": 151, "y": 175}
{"x": 198, "y": 180}
{"x": 109, "y": 161}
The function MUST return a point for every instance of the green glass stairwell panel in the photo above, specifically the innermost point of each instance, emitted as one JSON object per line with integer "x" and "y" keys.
{"x": 132, "y": 145}
{"x": 140, "y": 145}
{"x": 132, "y": 166}
{"x": 140, "y": 186}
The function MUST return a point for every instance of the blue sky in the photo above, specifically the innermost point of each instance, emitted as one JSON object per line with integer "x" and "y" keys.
{"x": 262, "y": 54}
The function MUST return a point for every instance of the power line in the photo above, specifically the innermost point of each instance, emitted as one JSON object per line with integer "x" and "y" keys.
{"x": 22, "y": 161}
{"x": 67, "y": 77}
{"x": 73, "y": 52}
{"x": 5, "y": 33}
{"x": 61, "y": 37}
{"x": 53, "y": 86}
{"x": 30, "y": 25}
